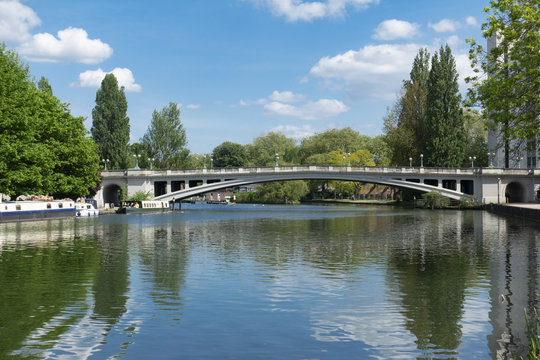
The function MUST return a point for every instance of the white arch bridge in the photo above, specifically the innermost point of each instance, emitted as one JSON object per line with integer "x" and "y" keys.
{"x": 488, "y": 185}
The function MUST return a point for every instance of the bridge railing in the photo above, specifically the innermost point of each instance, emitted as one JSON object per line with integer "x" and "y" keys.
{"x": 401, "y": 170}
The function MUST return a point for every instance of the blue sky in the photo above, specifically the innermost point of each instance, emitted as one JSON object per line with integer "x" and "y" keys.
{"x": 239, "y": 68}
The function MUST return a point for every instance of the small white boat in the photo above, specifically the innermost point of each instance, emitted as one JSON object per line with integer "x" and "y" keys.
{"x": 85, "y": 210}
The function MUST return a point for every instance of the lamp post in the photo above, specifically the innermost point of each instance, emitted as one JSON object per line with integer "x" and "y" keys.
{"x": 204, "y": 163}
{"x": 519, "y": 159}
{"x": 277, "y": 159}
{"x": 349, "y": 163}
{"x": 471, "y": 159}
{"x": 151, "y": 161}
{"x": 211, "y": 162}
{"x": 343, "y": 161}
{"x": 136, "y": 162}
{"x": 490, "y": 158}
{"x": 421, "y": 160}
{"x": 105, "y": 161}
{"x": 410, "y": 162}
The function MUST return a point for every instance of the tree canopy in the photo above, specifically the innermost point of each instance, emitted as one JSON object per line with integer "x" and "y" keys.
{"x": 346, "y": 140}
{"x": 427, "y": 118}
{"x": 43, "y": 148}
{"x": 165, "y": 139}
{"x": 445, "y": 140}
{"x": 506, "y": 83}
{"x": 262, "y": 151}
{"x": 110, "y": 125}
{"x": 229, "y": 154}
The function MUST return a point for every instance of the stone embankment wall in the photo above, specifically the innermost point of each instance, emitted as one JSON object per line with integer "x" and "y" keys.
{"x": 529, "y": 212}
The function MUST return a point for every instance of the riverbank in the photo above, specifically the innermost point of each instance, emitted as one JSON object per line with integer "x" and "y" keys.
{"x": 526, "y": 210}
{"x": 357, "y": 202}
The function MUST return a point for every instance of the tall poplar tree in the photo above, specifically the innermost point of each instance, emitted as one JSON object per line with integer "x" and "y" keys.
{"x": 110, "y": 125}
{"x": 405, "y": 123}
{"x": 445, "y": 133}
{"x": 165, "y": 139}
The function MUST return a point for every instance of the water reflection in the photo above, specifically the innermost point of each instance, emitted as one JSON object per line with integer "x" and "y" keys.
{"x": 381, "y": 283}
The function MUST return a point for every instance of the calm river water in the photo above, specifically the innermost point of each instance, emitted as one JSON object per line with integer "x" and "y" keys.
{"x": 268, "y": 282}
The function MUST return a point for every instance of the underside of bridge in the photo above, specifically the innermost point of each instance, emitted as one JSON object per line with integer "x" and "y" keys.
{"x": 448, "y": 191}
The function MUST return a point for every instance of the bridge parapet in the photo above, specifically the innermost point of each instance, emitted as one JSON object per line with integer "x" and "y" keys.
{"x": 368, "y": 170}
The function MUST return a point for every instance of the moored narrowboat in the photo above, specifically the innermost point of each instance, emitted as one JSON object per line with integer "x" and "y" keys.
{"x": 142, "y": 206}
{"x": 36, "y": 210}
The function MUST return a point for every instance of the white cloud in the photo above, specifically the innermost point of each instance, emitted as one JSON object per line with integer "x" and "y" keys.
{"x": 286, "y": 97}
{"x": 396, "y": 29}
{"x": 16, "y": 20}
{"x": 312, "y": 110}
{"x": 463, "y": 67}
{"x": 300, "y": 10}
{"x": 93, "y": 78}
{"x": 193, "y": 106}
{"x": 453, "y": 41}
{"x": 71, "y": 44}
{"x": 295, "y": 132}
{"x": 374, "y": 72}
{"x": 471, "y": 21}
{"x": 445, "y": 25}
{"x": 253, "y": 102}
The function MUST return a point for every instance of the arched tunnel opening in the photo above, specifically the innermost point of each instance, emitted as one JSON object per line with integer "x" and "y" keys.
{"x": 111, "y": 194}
{"x": 514, "y": 193}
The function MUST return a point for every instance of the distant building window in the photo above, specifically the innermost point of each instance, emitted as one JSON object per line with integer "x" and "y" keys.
{"x": 60, "y": 205}
{"x": 18, "y": 207}
{"x": 49, "y": 206}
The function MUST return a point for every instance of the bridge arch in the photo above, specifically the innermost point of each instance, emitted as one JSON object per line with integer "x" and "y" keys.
{"x": 187, "y": 193}
{"x": 111, "y": 194}
{"x": 515, "y": 192}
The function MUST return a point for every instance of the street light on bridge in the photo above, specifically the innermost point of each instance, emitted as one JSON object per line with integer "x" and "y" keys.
{"x": 204, "y": 164}
{"x": 410, "y": 162}
{"x": 490, "y": 158}
{"x": 471, "y": 159}
{"x": 277, "y": 159}
{"x": 211, "y": 162}
{"x": 105, "y": 161}
{"x": 151, "y": 161}
{"x": 343, "y": 160}
{"x": 349, "y": 163}
{"x": 421, "y": 160}
{"x": 136, "y": 161}
{"x": 519, "y": 161}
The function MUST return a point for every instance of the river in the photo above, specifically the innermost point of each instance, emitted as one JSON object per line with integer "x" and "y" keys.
{"x": 269, "y": 282}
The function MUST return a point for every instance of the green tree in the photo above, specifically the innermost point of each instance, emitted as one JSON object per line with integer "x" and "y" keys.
{"x": 229, "y": 154}
{"x": 263, "y": 150}
{"x": 400, "y": 139}
{"x": 446, "y": 143}
{"x": 506, "y": 83}
{"x": 277, "y": 192}
{"x": 43, "y": 148}
{"x": 346, "y": 140}
{"x": 165, "y": 139}
{"x": 380, "y": 150}
{"x": 44, "y": 85}
{"x": 405, "y": 122}
{"x": 476, "y": 131}
{"x": 110, "y": 125}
